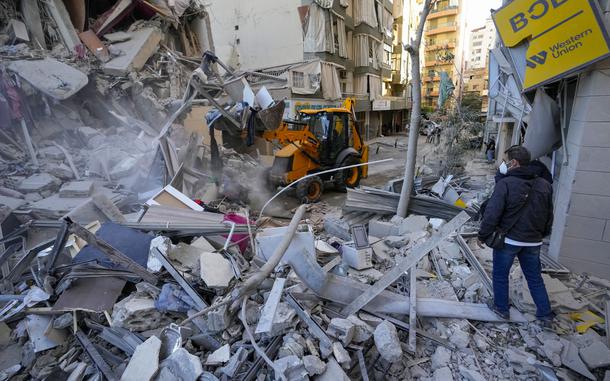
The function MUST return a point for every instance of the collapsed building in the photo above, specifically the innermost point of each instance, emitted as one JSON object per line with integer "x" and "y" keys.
{"x": 133, "y": 249}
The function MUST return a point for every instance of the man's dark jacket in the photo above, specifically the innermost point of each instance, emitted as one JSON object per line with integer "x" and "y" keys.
{"x": 511, "y": 191}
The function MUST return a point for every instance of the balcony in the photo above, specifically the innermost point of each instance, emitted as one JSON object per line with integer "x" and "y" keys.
{"x": 446, "y": 27}
{"x": 442, "y": 12}
{"x": 433, "y": 93}
{"x": 435, "y": 78}
{"x": 431, "y": 48}
{"x": 438, "y": 63}
{"x": 396, "y": 78}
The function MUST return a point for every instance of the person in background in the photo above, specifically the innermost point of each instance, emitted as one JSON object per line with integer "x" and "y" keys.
{"x": 521, "y": 207}
{"x": 490, "y": 151}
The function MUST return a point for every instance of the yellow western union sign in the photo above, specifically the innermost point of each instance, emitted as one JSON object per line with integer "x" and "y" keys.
{"x": 564, "y": 36}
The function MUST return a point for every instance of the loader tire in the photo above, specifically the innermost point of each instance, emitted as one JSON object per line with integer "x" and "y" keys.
{"x": 348, "y": 178}
{"x": 310, "y": 190}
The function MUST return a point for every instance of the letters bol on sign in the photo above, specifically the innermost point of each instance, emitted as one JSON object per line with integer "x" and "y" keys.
{"x": 564, "y": 36}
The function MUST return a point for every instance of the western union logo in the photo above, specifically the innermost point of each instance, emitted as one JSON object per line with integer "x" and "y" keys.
{"x": 564, "y": 36}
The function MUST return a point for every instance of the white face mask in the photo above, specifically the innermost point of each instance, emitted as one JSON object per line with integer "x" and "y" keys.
{"x": 503, "y": 168}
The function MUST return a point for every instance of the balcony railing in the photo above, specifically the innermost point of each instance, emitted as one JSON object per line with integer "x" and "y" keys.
{"x": 441, "y": 25}
{"x": 443, "y": 9}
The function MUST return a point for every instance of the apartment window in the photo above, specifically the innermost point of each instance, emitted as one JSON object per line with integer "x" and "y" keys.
{"x": 477, "y": 43}
{"x": 298, "y": 79}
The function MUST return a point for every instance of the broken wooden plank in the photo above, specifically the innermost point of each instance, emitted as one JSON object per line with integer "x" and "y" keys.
{"x": 417, "y": 253}
{"x": 114, "y": 255}
{"x": 412, "y": 345}
{"x": 265, "y": 323}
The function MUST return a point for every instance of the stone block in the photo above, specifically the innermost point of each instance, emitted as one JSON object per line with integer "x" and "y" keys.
{"x": 341, "y": 329}
{"x": 38, "y": 183}
{"x": 215, "y": 270}
{"x": 596, "y": 134}
{"x": 313, "y": 365}
{"x": 593, "y": 183}
{"x": 18, "y": 31}
{"x": 585, "y": 227}
{"x": 136, "y": 51}
{"x": 138, "y": 313}
{"x": 593, "y": 159}
{"x": 362, "y": 330}
{"x": 396, "y": 242}
{"x": 413, "y": 224}
{"x": 218, "y": 319}
{"x": 341, "y": 355}
{"x": 382, "y": 229}
{"x": 387, "y": 342}
{"x": 219, "y": 356}
{"x": 144, "y": 362}
{"x": 76, "y": 189}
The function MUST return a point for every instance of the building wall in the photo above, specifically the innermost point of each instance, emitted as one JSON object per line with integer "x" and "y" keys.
{"x": 480, "y": 41}
{"x": 581, "y": 232}
{"x": 268, "y": 33}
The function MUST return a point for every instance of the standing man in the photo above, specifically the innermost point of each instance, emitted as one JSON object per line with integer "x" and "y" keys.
{"x": 520, "y": 210}
{"x": 490, "y": 151}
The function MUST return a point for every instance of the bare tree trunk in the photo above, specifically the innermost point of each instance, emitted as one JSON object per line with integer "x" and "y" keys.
{"x": 413, "y": 49}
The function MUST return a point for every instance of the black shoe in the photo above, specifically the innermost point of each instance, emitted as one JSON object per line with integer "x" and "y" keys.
{"x": 492, "y": 306}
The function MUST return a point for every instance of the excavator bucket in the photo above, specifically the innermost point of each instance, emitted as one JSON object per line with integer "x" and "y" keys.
{"x": 272, "y": 117}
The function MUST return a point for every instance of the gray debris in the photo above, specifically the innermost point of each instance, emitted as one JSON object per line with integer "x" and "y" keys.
{"x": 471, "y": 375}
{"x": 396, "y": 241}
{"x": 596, "y": 356}
{"x": 38, "y": 183}
{"x": 291, "y": 367}
{"x": 341, "y": 329}
{"x": 63, "y": 321}
{"x": 413, "y": 224}
{"x": 183, "y": 365}
{"x": 333, "y": 372}
{"x": 440, "y": 358}
{"x": 387, "y": 342}
{"x": 314, "y": 365}
{"x": 341, "y": 354}
{"x": 443, "y": 374}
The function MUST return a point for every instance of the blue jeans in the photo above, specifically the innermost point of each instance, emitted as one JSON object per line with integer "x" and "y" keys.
{"x": 529, "y": 259}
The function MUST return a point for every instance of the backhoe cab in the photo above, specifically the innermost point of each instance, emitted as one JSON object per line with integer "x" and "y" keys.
{"x": 317, "y": 141}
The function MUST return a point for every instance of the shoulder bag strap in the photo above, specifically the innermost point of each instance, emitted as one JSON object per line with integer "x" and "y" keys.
{"x": 522, "y": 207}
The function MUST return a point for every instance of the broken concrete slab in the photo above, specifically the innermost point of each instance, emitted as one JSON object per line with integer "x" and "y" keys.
{"x": 220, "y": 356}
{"x": 38, "y": 183}
{"x": 138, "y": 313}
{"x": 596, "y": 355}
{"x": 413, "y": 224}
{"x": 313, "y": 365}
{"x": 50, "y": 76}
{"x": 144, "y": 362}
{"x": 183, "y": 365}
{"x": 571, "y": 359}
{"x": 136, "y": 51}
{"x": 76, "y": 189}
{"x": 362, "y": 330}
{"x": 17, "y": 31}
{"x": 396, "y": 241}
{"x": 387, "y": 342}
{"x": 341, "y": 329}
{"x": 11, "y": 203}
{"x": 337, "y": 227}
{"x": 215, "y": 270}
{"x": 382, "y": 229}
